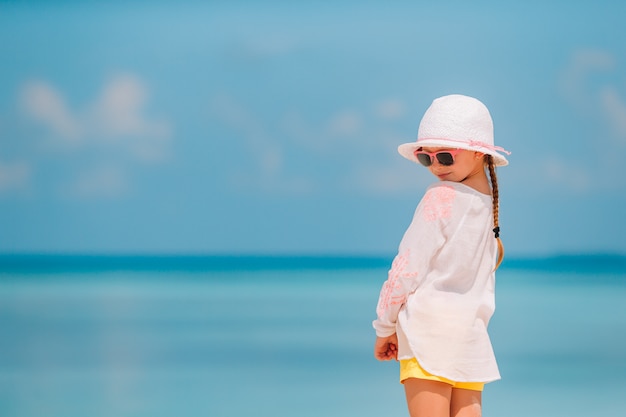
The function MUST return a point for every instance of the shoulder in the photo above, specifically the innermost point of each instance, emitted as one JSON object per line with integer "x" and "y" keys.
{"x": 446, "y": 192}
{"x": 442, "y": 187}
{"x": 445, "y": 197}
{"x": 437, "y": 202}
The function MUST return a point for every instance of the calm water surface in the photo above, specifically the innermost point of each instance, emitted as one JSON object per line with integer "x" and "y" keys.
{"x": 288, "y": 342}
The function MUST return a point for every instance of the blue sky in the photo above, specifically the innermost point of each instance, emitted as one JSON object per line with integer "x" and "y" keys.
{"x": 272, "y": 127}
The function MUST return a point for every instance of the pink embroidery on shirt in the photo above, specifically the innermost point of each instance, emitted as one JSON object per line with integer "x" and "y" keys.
{"x": 437, "y": 203}
{"x": 397, "y": 271}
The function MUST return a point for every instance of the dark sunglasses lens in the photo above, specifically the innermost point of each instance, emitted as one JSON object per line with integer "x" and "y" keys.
{"x": 424, "y": 159}
{"x": 445, "y": 158}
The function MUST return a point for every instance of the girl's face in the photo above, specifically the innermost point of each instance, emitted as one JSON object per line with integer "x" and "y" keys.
{"x": 466, "y": 164}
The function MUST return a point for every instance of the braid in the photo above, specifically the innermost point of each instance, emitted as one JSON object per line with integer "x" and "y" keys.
{"x": 496, "y": 206}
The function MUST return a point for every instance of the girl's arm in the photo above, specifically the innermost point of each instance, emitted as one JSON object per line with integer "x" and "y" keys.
{"x": 420, "y": 244}
{"x": 400, "y": 282}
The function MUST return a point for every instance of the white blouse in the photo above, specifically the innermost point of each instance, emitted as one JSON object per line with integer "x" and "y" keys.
{"x": 439, "y": 295}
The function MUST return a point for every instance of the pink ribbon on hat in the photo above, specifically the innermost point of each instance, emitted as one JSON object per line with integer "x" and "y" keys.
{"x": 472, "y": 143}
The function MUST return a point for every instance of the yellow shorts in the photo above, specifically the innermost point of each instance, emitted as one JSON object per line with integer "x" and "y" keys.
{"x": 409, "y": 368}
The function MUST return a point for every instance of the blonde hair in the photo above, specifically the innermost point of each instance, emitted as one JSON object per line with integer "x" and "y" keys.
{"x": 496, "y": 205}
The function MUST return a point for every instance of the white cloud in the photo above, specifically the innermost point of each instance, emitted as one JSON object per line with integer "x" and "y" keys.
{"x": 271, "y": 161}
{"x": 614, "y": 107}
{"x": 118, "y": 112}
{"x": 558, "y": 173}
{"x": 259, "y": 145}
{"x": 14, "y": 176}
{"x": 113, "y": 125}
{"x": 232, "y": 113}
{"x": 591, "y": 83}
{"x": 390, "y": 109}
{"x": 346, "y": 123}
{"x": 346, "y": 134}
{"x": 47, "y": 105}
{"x": 575, "y": 81}
{"x": 116, "y": 118}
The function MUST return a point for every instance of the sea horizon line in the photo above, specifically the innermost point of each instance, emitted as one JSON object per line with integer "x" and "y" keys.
{"x": 58, "y": 262}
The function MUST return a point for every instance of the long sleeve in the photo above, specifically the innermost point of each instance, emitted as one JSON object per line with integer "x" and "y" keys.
{"x": 420, "y": 244}
{"x": 399, "y": 284}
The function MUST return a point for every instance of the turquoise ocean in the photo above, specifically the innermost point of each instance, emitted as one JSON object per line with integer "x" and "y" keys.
{"x": 116, "y": 336}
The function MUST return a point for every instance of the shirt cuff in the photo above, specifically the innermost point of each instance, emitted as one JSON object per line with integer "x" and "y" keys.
{"x": 383, "y": 330}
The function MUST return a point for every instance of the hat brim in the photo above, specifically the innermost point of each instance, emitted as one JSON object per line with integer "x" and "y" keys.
{"x": 407, "y": 150}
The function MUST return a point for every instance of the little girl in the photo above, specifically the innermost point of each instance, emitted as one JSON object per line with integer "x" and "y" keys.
{"x": 435, "y": 306}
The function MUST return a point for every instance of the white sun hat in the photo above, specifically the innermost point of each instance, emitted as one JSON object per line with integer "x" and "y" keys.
{"x": 456, "y": 121}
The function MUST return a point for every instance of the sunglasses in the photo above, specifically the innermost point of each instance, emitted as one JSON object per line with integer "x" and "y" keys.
{"x": 445, "y": 158}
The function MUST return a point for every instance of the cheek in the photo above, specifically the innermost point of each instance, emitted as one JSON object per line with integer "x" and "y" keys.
{"x": 470, "y": 161}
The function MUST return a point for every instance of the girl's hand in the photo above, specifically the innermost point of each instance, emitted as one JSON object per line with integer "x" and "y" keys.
{"x": 386, "y": 348}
